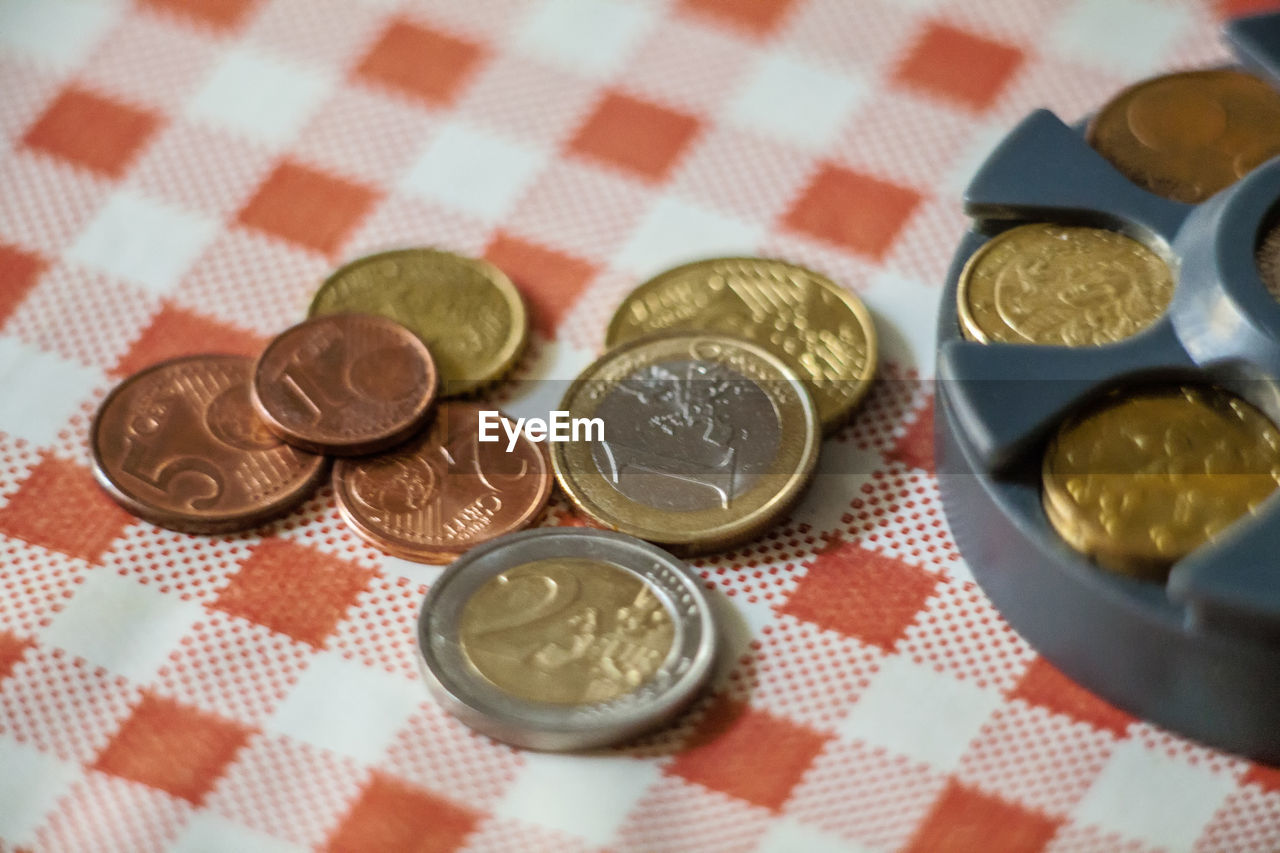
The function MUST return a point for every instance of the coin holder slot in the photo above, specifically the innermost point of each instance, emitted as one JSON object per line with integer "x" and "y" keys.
{"x": 1199, "y": 654}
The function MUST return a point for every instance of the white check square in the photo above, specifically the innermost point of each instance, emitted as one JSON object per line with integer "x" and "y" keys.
{"x": 262, "y": 97}
{"x": 587, "y": 35}
{"x": 796, "y": 101}
{"x": 474, "y": 171}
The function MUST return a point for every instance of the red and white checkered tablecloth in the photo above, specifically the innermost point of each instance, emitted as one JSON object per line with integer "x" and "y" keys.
{"x": 178, "y": 175}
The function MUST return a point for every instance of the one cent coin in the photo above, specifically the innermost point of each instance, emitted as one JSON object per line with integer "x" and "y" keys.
{"x": 1269, "y": 260}
{"x": 466, "y": 311}
{"x": 345, "y": 384}
{"x": 1186, "y": 136}
{"x": 566, "y": 638}
{"x": 178, "y": 444}
{"x": 820, "y": 330}
{"x": 1139, "y": 481}
{"x": 708, "y": 440}
{"x": 1061, "y": 286}
{"x": 444, "y": 491}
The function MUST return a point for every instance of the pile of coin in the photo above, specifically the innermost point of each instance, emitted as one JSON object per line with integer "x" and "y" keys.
{"x": 1143, "y": 477}
{"x": 711, "y": 402}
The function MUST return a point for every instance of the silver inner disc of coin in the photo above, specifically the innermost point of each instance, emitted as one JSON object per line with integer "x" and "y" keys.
{"x": 466, "y": 693}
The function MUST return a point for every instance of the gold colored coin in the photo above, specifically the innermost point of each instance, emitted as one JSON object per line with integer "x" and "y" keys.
{"x": 1061, "y": 286}
{"x": 820, "y": 330}
{"x": 588, "y": 631}
{"x": 708, "y": 440}
{"x": 1139, "y": 482}
{"x": 1186, "y": 136}
{"x": 467, "y": 311}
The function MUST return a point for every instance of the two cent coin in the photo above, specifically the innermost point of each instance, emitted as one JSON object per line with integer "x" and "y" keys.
{"x": 443, "y": 491}
{"x": 345, "y": 384}
{"x": 179, "y": 445}
{"x": 1186, "y": 136}
{"x": 708, "y": 440}
{"x": 566, "y": 638}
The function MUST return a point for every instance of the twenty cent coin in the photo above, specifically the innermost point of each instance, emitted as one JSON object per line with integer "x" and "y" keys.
{"x": 1061, "y": 286}
{"x": 566, "y": 638}
{"x": 820, "y": 330}
{"x": 444, "y": 491}
{"x": 179, "y": 445}
{"x": 466, "y": 311}
{"x": 1186, "y": 136}
{"x": 1138, "y": 482}
{"x": 345, "y": 384}
{"x": 708, "y": 440}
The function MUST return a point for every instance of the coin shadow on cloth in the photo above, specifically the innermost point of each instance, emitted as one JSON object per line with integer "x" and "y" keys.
{"x": 694, "y": 724}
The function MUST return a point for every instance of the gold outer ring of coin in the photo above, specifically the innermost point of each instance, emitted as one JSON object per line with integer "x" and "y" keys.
{"x": 1022, "y": 240}
{"x": 830, "y": 394}
{"x": 1124, "y": 547}
{"x": 446, "y": 324}
{"x": 697, "y": 531}
{"x": 1176, "y": 166}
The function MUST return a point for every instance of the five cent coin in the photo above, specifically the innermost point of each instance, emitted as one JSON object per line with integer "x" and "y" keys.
{"x": 466, "y": 310}
{"x": 345, "y": 384}
{"x": 1186, "y": 136}
{"x": 444, "y": 491}
{"x": 1140, "y": 481}
{"x": 1061, "y": 286}
{"x": 566, "y": 638}
{"x": 820, "y": 330}
{"x": 708, "y": 440}
{"x": 179, "y": 445}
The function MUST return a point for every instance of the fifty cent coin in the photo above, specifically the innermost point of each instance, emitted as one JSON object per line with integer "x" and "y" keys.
{"x": 566, "y": 638}
{"x": 820, "y": 330}
{"x": 179, "y": 445}
{"x": 345, "y": 384}
{"x": 1061, "y": 286}
{"x": 1186, "y": 136}
{"x": 444, "y": 491}
{"x": 466, "y": 311}
{"x": 708, "y": 440}
{"x": 1138, "y": 482}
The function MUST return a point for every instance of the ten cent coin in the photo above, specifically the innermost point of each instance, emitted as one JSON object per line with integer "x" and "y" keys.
{"x": 444, "y": 491}
{"x": 345, "y": 384}
{"x": 566, "y": 638}
{"x": 1138, "y": 482}
{"x": 820, "y": 330}
{"x": 1186, "y": 136}
{"x": 1061, "y": 286}
{"x": 708, "y": 440}
{"x": 179, "y": 445}
{"x": 467, "y": 311}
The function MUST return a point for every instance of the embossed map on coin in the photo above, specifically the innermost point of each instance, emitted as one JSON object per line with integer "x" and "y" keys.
{"x": 686, "y": 435}
{"x": 566, "y": 631}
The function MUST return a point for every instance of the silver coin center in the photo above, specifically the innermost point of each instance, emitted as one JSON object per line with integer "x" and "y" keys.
{"x": 686, "y": 435}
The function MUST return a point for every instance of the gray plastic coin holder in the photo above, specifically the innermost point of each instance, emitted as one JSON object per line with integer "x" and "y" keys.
{"x": 1200, "y": 654}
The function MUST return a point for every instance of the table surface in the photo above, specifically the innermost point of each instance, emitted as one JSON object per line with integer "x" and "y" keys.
{"x": 178, "y": 175}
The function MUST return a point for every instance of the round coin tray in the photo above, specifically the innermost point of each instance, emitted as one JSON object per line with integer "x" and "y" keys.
{"x": 1199, "y": 654}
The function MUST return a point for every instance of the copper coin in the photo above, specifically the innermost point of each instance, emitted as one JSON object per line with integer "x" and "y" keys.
{"x": 1186, "y": 136}
{"x": 345, "y": 384}
{"x": 445, "y": 491}
{"x": 179, "y": 445}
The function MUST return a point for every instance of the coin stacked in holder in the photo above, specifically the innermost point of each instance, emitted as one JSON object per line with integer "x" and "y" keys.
{"x": 1142, "y": 477}
{"x": 720, "y": 379}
